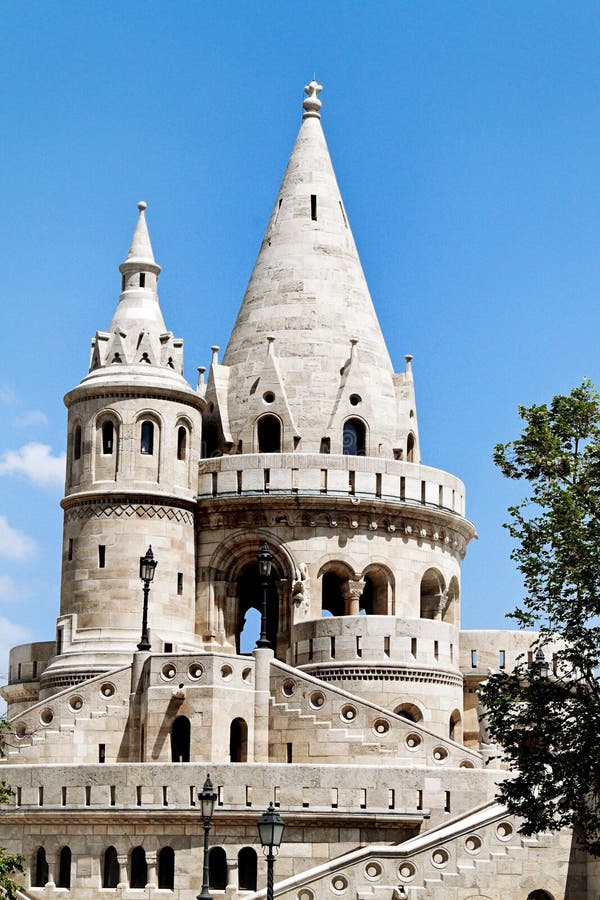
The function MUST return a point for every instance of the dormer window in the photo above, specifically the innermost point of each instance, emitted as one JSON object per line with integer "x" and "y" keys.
{"x": 269, "y": 434}
{"x": 354, "y": 441}
{"x": 147, "y": 438}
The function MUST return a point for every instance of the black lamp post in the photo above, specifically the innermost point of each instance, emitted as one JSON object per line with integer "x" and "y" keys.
{"x": 265, "y": 564}
{"x": 207, "y": 805}
{"x": 147, "y": 566}
{"x": 270, "y": 832}
{"x": 541, "y": 667}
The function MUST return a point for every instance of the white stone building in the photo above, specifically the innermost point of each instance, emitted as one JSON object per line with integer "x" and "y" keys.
{"x": 361, "y": 723}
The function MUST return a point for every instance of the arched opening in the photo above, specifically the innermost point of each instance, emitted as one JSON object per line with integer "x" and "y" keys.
{"x": 64, "y": 868}
{"x": 77, "y": 442}
{"x": 376, "y": 598}
{"x": 166, "y": 869}
{"x": 268, "y": 431}
{"x": 250, "y": 630}
{"x": 410, "y": 447}
{"x": 180, "y": 739}
{"x": 409, "y": 711}
{"x": 367, "y": 598}
{"x": 108, "y": 437}
{"x": 210, "y": 441}
{"x": 110, "y": 868}
{"x": 238, "y": 741}
{"x": 454, "y": 726}
{"x": 450, "y": 610}
{"x": 354, "y": 438}
{"x": 138, "y": 868}
{"x": 250, "y": 597}
{"x": 247, "y": 868}
{"x": 539, "y": 895}
{"x": 432, "y": 595}
{"x": 217, "y": 868}
{"x": 332, "y": 597}
{"x": 181, "y": 442}
{"x": 40, "y": 868}
{"x": 147, "y": 438}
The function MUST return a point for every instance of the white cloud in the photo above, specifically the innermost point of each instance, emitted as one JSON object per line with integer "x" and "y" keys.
{"x": 31, "y": 417}
{"x": 10, "y": 591}
{"x": 36, "y": 463}
{"x": 14, "y": 544}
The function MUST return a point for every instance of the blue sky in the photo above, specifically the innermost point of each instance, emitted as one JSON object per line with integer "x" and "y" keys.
{"x": 466, "y": 141}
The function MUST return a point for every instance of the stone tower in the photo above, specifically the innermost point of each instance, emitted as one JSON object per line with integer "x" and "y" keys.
{"x": 134, "y": 433}
{"x": 356, "y": 713}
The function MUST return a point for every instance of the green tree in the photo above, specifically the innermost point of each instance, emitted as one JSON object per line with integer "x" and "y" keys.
{"x": 548, "y": 722}
{"x": 9, "y": 864}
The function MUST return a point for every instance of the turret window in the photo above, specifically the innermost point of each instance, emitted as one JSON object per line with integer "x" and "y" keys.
{"x": 108, "y": 438}
{"x": 313, "y": 207}
{"x": 147, "y": 438}
{"x": 354, "y": 438}
{"x": 181, "y": 442}
{"x": 410, "y": 447}
{"x": 142, "y": 279}
{"x": 77, "y": 442}
{"x": 269, "y": 434}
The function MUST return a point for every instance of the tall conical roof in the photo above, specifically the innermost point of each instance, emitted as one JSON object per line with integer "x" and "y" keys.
{"x": 309, "y": 294}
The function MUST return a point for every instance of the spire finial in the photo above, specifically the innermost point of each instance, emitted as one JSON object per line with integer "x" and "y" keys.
{"x": 312, "y": 104}
{"x": 142, "y": 205}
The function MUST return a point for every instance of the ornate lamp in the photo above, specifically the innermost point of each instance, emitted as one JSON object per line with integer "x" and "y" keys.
{"x": 207, "y": 799}
{"x": 265, "y": 565}
{"x": 270, "y": 832}
{"x": 147, "y": 566}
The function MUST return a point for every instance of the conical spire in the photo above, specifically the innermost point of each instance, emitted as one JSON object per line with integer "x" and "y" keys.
{"x": 140, "y": 252}
{"x": 308, "y": 290}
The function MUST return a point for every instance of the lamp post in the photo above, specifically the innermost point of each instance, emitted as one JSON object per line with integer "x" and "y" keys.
{"x": 265, "y": 564}
{"x": 541, "y": 666}
{"x": 147, "y": 566}
{"x": 207, "y": 805}
{"x": 270, "y": 832}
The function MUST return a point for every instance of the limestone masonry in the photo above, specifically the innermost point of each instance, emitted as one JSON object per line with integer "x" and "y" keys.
{"x": 361, "y": 721}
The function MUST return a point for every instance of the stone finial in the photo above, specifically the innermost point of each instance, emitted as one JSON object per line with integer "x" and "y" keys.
{"x": 408, "y": 360}
{"x": 215, "y": 355}
{"x": 142, "y": 205}
{"x": 270, "y": 342}
{"x": 201, "y": 371}
{"x": 312, "y": 104}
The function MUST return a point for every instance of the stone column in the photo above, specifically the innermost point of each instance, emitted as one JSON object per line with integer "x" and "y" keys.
{"x": 123, "y": 879}
{"x": 262, "y": 696}
{"x": 352, "y": 590}
{"x": 151, "y": 862}
{"x": 232, "y": 877}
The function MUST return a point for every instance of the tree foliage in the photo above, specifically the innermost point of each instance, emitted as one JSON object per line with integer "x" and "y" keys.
{"x": 9, "y": 864}
{"x": 549, "y": 724}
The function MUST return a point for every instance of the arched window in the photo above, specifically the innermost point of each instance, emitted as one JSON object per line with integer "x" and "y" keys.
{"x": 410, "y": 448}
{"x": 180, "y": 739}
{"x": 108, "y": 438}
{"x": 40, "y": 868}
{"x": 238, "y": 741}
{"x": 181, "y": 442}
{"x": 409, "y": 711}
{"x": 454, "y": 726}
{"x": 166, "y": 869}
{"x": 247, "y": 866}
{"x": 147, "y": 438}
{"x": 367, "y": 598}
{"x": 217, "y": 869}
{"x": 354, "y": 439}
{"x": 210, "y": 440}
{"x": 433, "y": 596}
{"x": 138, "y": 874}
{"x": 110, "y": 868}
{"x": 332, "y": 599}
{"x": 539, "y": 895}
{"x": 64, "y": 868}
{"x": 269, "y": 434}
{"x": 77, "y": 442}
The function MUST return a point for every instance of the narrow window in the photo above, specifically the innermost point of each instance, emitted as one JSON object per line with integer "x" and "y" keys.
{"x": 238, "y": 476}
{"x": 269, "y": 434}
{"x": 238, "y": 741}
{"x": 441, "y": 495}
{"x": 59, "y": 641}
{"x": 18, "y": 797}
{"x": 217, "y": 868}
{"x": 40, "y": 877}
{"x": 77, "y": 443}
{"x": 192, "y": 795}
{"x": 180, "y": 739}
{"x": 502, "y": 659}
{"x": 289, "y": 753}
{"x": 332, "y": 646}
{"x": 34, "y": 669}
{"x": 101, "y": 556}
{"x": 334, "y": 798}
{"x": 165, "y": 793}
{"x": 447, "y": 802}
{"x": 325, "y": 445}
{"x": 378, "y": 484}
{"x": 248, "y": 795}
{"x": 386, "y": 645}
{"x": 391, "y": 798}
{"x": 123, "y": 282}
{"x": 402, "y": 487}
{"x": 88, "y": 795}
{"x": 113, "y": 795}
{"x": 168, "y": 647}
{"x": 276, "y": 795}
{"x": 419, "y": 799}
{"x": 138, "y": 797}
{"x": 473, "y": 659}
{"x": 142, "y": 279}
{"x": 147, "y": 441}
{"x": 410, "y": 448}
{"x": 180, "y": 583}
{"x": 138, "y": 876}
{"x": 358, "y": 645}
{"x": 423, "y": 492}
{"x": 306, "y": 797}
{"x": 101, "y": 753}
{"x": 413, "y": 647}
{"x": 108, "y": 438}
{"x": 215, "y": 483}
{"x": 363, "y": 798}
{"x": 313, "y": 207}
{"x": 310, "y": 649}
{"x": 181, "y": 442}
{"x": 436, "y": 649}
{"x": 70, "y": 551}
{"x": 63, "y": 796}
{"x": 40, "y": 795}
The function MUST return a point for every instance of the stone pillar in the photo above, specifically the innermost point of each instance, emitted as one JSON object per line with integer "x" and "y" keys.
{"x": 151, "y": 863}
{"x": 262, "y": 696}
{"x": 123, "y": 879}
{"x": 232, "y": 877}
{"x": 352, "y": 590}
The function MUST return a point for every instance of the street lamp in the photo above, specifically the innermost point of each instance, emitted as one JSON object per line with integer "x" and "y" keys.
{"x": 207, "y": 805}
{"x": 147, "y": 566}
{"x": 270, "y": 832}
{"x": 265, "y": 564}
{"x": 541, "y": 666}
